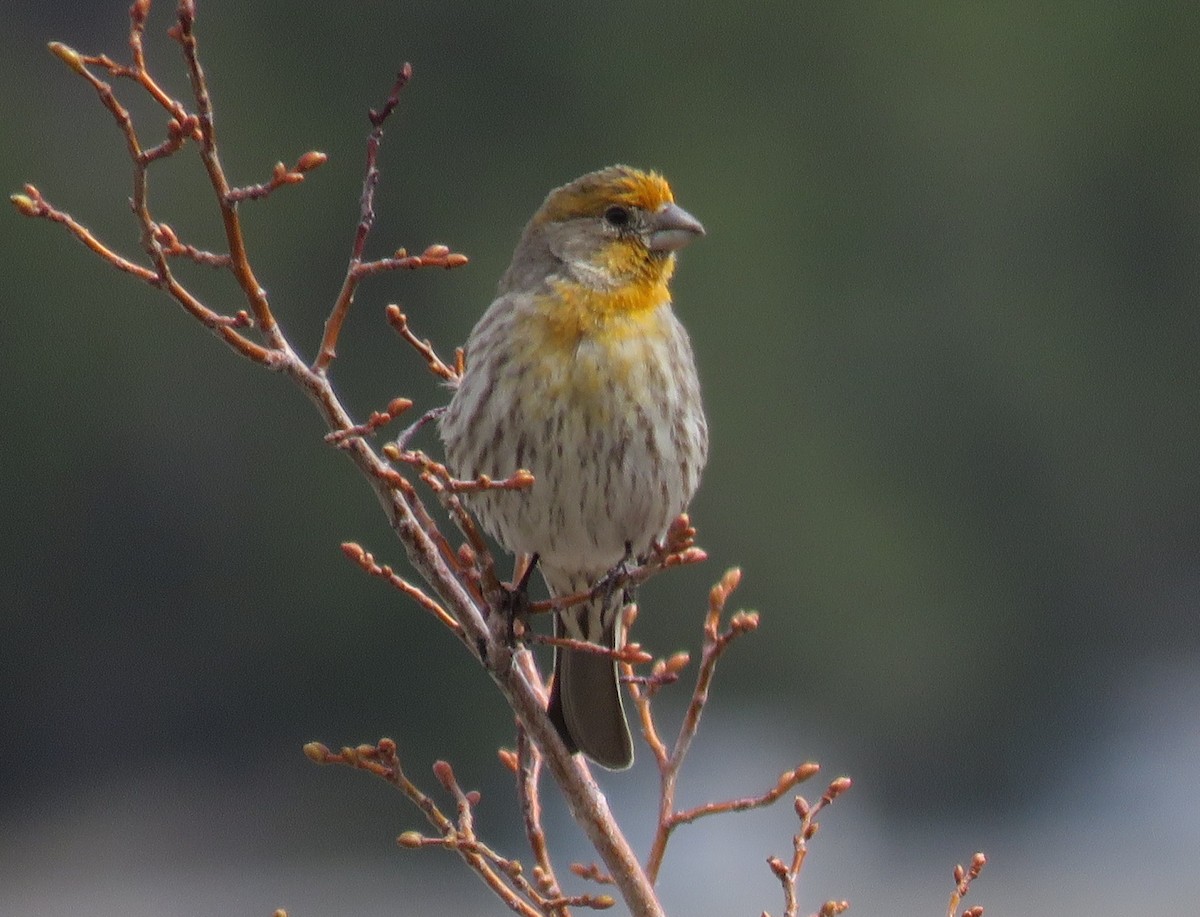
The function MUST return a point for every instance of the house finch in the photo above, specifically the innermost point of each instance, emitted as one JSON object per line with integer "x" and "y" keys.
{"x": 581, "y": 373}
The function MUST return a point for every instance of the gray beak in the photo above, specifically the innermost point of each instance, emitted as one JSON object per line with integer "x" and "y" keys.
{"x": 672, "y": 228}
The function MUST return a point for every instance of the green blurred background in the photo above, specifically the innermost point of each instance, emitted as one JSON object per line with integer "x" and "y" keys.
{"x": 946, "y": 320}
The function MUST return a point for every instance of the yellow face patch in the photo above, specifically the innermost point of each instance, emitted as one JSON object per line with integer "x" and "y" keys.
{"x": 575, "y": 312}
{"x": 595, "y": 193}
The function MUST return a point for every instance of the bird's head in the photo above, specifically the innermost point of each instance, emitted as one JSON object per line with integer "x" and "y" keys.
{"x": 615, "y": 230}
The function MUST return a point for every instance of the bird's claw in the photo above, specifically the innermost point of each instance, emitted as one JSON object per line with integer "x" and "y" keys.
{"x": 515, "y": 604}
{"x": 618, "y": 576}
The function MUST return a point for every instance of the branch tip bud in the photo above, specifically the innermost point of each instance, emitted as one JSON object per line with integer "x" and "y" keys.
{"x": 68, "y": 56}
{"x": 838, "y": 787}
{"x": 777, "y": 867}
{"x": 444, "y": 773}
{"x": 744, "y": 621}
{"x": 311, "y": 160}
{"x": 410, "y": 839}
{"x": 398, "y": 406}
{"x": 806, "y": 770}
{"x": 26, "y": 206}
{"x": 316, "y": 752}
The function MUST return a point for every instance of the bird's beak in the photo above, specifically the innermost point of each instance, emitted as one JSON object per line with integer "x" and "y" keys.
{"x": 672, "y": 227}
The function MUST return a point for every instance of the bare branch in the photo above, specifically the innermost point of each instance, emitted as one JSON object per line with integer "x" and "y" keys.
{"x": 788, "y": 873}
{"x": 183, "y": 32}
{"x": 669, "y": 763}
{"x": 395, "y": 408}
{"x": 787, "y": 781}
{"x": 399, "y": 321}
{"x": 280, "y": 176}
{"x": 527, "y": 765}
{"x": 367, "y": 562}
{"x": 356, "y": 270}
{"x": 962, "y": 884}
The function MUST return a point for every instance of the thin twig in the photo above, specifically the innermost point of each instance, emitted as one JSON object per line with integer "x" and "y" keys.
{"x": 184, "y": 33}
{"x": 395, "y": 408}
{"x": 33, "y": 204}
{"x": 457, "y": 835}
{"x": 962, "y": 884}
{"x": 366, "y": 561}
{"x": 161, "y": 276}
{"x": 630, "y": 654}
{"x": 677, "y": 549}
{"x": 788, "y": 873}
{"x": 399, "y": 321}
{"x": 528, "y": 767}
{"x": 786, "y": 782}
{"x": 281, "y": 175}
{"x": 716, "y": 642}
{"x": 333, "y": 325}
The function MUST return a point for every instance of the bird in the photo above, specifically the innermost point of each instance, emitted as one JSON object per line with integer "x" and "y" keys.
{"x": 580, "y": 372}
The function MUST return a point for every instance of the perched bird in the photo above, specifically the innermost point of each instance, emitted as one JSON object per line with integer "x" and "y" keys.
{"x": 581, "y": 373}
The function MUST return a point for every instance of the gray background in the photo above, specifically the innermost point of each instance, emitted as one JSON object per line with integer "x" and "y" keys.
{"x": 946, "y": 322}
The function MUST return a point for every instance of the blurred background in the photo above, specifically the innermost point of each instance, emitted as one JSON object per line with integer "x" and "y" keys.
{"x": 946, "y": 320}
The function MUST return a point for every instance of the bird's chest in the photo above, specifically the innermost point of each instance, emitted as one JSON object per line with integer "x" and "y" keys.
{"x": 594, "y": 434}
{"x": 595, "y": 370}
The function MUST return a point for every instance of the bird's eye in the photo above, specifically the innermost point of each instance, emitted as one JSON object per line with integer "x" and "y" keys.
{"x": 616, "y": 216}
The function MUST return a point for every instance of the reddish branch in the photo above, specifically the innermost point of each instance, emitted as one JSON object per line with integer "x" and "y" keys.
{"x": 395, "y": 408}
{"x": 677, "y": 549}
{"x": 434, "y": 256}
{"x": 962, "y": 884}
{"x": 788, "y": 873}
{"x": 505, "y": 877}
{"x": 399, "y": 321}
{"x": 280, "y": 176}
{"x": 366, "y": 561}
{"x": 527, "y": 767}
{"x": 716, "y": 641}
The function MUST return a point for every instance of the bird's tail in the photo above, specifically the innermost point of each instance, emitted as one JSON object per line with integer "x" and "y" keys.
{"x": 585, "y": 703}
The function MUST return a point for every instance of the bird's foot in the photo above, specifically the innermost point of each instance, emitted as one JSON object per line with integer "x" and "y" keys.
{"x": 515, "y": 604}
{"x": 617, "y": 578}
